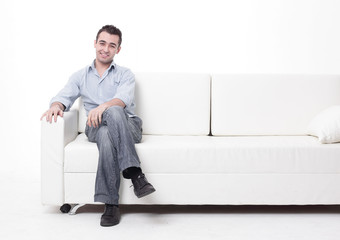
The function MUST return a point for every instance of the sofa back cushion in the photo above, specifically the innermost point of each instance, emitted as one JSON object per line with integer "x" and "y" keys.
{"x": 173, "y": 103}
{"x": 170, "y": 103}
{"x": 269, "y": 104}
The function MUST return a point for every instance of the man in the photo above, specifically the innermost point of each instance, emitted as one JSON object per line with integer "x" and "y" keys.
{"x": 107, "y": 91}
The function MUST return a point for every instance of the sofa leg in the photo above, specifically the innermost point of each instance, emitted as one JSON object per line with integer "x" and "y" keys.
{"x": 75, "y": 208}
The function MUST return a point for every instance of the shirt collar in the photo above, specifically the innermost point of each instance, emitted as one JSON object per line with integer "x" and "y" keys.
{"x": 91, "y": 67}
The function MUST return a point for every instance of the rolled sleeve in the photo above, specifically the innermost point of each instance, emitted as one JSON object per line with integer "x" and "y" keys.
{"x": 69, "y": 93}
{"x": 126, "y": 89}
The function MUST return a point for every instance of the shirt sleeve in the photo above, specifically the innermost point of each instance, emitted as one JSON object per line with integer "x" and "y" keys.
{"x": 126, "y": 88}
{"x": 69, "y": 93}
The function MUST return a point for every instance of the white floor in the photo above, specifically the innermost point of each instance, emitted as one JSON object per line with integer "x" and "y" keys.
{"x": 23, "y": 217}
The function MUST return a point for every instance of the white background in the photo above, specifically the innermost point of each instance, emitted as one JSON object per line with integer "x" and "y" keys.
{"x": 44, "y": 42}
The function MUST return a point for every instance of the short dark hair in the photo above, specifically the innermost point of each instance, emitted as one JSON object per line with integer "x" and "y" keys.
{"x": 111, "y": 30}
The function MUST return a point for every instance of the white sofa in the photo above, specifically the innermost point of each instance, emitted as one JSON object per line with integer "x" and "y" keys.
{"x": 210, "y": 139}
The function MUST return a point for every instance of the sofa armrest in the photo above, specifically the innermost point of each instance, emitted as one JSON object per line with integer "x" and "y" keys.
{"x": 54, "y": 137}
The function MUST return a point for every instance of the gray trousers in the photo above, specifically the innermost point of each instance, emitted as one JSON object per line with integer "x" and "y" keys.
{"x": 115, "y": 137}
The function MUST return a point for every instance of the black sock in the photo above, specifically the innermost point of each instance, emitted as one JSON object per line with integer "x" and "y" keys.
{"x": 133, "y": 172}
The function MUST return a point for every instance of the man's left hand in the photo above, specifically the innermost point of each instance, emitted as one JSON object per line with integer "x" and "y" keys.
{"x": 95, "y": 116}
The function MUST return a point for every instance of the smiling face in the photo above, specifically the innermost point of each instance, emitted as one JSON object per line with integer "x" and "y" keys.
{"x": 107, "y": 46}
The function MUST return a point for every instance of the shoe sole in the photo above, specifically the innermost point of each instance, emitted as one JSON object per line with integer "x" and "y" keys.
{"x": 109, "y": 224}
{"x": 143, "y": 194}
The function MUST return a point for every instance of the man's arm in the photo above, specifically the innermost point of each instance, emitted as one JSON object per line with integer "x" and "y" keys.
{"x": 95, "y": 115}
{"x": 56, "y": 109}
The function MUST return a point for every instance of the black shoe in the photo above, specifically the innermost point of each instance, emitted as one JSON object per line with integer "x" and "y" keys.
{"x": 111, "y": 216}
{"x": 141, "y": 186}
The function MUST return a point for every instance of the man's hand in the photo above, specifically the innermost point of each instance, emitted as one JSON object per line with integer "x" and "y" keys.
{"x": 95, "y": 116}
{"x": 56, "y": 109}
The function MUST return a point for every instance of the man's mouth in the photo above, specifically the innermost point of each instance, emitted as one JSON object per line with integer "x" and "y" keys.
{"x": 104, "y": 55}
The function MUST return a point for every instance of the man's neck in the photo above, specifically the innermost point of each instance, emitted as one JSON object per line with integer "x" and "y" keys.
{"x": 101, "y": 68}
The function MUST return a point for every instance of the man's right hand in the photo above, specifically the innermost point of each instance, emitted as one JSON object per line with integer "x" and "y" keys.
{"x": 56, "y": 109}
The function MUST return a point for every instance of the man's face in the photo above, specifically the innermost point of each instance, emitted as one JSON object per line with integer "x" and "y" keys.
{"x": 106, "y": 47}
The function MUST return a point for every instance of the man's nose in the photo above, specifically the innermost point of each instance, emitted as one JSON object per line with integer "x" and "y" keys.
{"x": 106, "y": 48}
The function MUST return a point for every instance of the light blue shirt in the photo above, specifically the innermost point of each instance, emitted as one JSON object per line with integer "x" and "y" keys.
{"x": 116, "y": 82}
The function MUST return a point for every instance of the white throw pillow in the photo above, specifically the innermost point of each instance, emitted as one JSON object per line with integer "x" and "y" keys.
{"x": 326, "y": 125}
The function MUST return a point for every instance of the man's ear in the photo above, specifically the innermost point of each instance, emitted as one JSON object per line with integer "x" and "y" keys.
{"x": 118, "y": 50}
{"x": 95, "y": 42}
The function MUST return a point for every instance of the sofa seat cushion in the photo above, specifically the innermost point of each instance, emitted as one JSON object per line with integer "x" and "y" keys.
{"x": 218, "y": 155}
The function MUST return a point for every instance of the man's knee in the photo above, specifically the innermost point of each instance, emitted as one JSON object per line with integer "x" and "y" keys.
{"x": 116, "y": 113}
